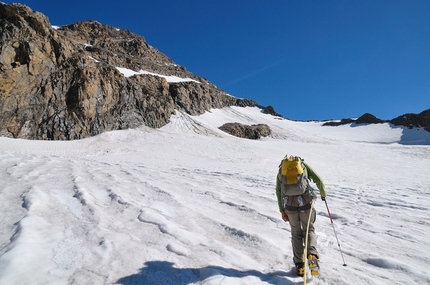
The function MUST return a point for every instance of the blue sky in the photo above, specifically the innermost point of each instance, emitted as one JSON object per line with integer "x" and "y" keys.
{"x": 308, "y": 59}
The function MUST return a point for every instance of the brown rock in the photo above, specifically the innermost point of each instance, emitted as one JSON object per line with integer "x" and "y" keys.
{"x": 245, "y": 131}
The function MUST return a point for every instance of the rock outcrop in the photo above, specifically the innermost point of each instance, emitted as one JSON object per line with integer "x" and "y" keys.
{"x": 421, "y": 120}
{"x": 253, "y": 132}
{"x": 63, "y": 83}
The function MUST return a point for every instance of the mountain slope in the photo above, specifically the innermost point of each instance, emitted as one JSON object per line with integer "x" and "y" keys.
{"x": 65, "y": 83}
{"x": 189, "y": 204}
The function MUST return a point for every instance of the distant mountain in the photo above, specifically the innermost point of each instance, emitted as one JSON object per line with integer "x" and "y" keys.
{"x": 80, "y": 80}
{"x": 421, "y": 120}
{"x": 75, "y": 81}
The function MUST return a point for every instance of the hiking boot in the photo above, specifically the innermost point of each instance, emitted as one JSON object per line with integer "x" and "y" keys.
{"x": 300, "y": 268}
{"x": 313, "y": 264}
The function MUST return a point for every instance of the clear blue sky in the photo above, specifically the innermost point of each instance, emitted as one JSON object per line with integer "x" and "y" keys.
{"x": 308, "y": 59}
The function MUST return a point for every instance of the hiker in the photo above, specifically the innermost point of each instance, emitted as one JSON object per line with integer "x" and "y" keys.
{"x": 295, "y": 197}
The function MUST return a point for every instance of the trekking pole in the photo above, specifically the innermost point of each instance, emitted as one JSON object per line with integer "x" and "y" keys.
{"x": 335, "y": 234}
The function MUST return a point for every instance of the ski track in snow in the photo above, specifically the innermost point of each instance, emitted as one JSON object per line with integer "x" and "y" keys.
{"x": 189, "y": 204}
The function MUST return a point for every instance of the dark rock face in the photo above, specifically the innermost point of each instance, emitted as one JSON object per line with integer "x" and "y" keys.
{"x": 245, "y": 131}
{"x": 414, "y": 120}
{"x": 271, "y": 111}
{"x": 63, "y": 84}
{"x": 195, "y": 98}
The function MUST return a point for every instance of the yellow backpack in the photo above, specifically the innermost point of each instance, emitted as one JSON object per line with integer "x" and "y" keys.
{"x": 293, "y": 179}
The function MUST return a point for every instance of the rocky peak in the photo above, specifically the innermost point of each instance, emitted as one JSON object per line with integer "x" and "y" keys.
{"x": 368, "y": 118}
{"x": 29, "y": 21}
{"x": 63, "y": 83}
{"x": 122, "y": 48}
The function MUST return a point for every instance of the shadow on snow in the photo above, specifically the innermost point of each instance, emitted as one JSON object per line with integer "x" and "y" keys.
{"x": 163, "y": 272}
{"x": 410, "y": 136}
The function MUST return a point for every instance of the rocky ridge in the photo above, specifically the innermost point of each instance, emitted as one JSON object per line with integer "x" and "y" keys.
{"x": 63, "y": 83}
{"x": 410, "y": 120}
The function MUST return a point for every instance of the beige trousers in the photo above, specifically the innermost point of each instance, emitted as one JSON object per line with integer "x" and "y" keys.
{"x": 298, "y": 222}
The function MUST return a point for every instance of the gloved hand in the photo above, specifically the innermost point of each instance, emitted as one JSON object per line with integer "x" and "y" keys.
{"x": 284, "y": 216}
{"x": 323, "y": 198}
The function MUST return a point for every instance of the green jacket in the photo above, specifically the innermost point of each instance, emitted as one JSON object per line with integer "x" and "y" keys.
{"x": 310, "y": 174}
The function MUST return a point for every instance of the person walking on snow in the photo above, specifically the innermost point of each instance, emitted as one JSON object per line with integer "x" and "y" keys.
{"x": 295, "y": 197}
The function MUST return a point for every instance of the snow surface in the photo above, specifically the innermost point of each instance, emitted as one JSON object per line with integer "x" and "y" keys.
{"x": 188, "y": 204}
{"x": 171, "y": 78}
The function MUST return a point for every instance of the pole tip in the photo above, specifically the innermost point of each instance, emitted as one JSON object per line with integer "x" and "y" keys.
{"x": 344, "y": 264}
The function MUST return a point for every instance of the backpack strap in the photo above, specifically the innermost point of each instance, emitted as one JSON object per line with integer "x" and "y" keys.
{"x": 301, "y": 208}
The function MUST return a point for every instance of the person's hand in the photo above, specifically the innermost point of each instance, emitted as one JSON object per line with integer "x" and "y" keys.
{"x": 284, "y": 216}
{"x": 323, "y": 198}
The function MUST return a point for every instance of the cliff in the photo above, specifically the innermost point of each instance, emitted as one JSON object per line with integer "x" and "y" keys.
{"x": 64, "y": 83}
